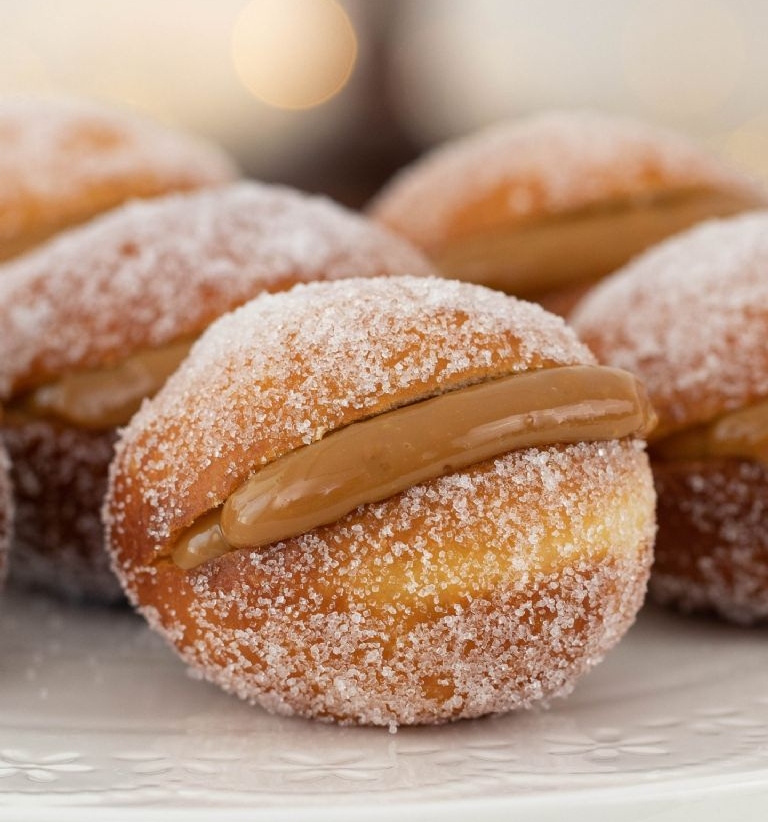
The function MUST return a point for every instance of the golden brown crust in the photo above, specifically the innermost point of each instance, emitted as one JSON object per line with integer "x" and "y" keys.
{"x": 712, "y": 542}
{"x": 481, "y": 651}
{"x": 62, "y": 162}
{"x": 474, "y": 593}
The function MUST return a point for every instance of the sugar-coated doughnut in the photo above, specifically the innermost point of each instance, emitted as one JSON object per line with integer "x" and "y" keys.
{"x": 96, "y": 319}
{"x": 691, "y": 319}
{"x": 63, "y": 161}
{"x": 544, "y": 206}
{"x": 477, "y": 591}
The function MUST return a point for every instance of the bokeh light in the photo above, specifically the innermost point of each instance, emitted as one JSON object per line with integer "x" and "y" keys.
{"x": 410, "y": 73}
{"x": 294, "y": 54}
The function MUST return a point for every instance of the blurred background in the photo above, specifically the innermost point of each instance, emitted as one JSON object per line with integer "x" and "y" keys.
{"x": 335, "y": 95}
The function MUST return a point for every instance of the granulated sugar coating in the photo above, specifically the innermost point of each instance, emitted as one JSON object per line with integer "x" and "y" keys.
{"x": 286, "y": 369}
{"x": 689, "y": 317}
{"x": 152, "y": 272}
{"x": 59, "y": 478}
{"x": 712, "y": 546}
{"x": 64, "y": 161}
{"x": 478, "y": 592}
{"x": 546, "y": 165}
{"x": 146, "y": 275}
{"x": 6, "y": 510}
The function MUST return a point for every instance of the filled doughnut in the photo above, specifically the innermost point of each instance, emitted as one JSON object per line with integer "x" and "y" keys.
{"x": 387, "y": 501}
{"x": 62, "y": 162}
{"x": 543, "y": 207}
{"x": 94, "y": 322}
{"x": 691, "y": 319}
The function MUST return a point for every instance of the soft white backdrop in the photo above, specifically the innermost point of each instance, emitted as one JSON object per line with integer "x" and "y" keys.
{"x": 698, "y": 65}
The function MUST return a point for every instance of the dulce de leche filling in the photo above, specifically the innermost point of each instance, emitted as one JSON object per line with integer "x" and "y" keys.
{"x": 105, "y": 397}
{"x": 578, "y": 247}
{"x": 742, "y": 433}
{"x": 379, "y": 457}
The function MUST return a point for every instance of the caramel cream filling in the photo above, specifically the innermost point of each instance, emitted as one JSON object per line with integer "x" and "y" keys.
{"x": 742, "y": 433}
{"x": 376, "y": 458}
{"x": 105, "y": 397}
{"x": 578, "y": 247}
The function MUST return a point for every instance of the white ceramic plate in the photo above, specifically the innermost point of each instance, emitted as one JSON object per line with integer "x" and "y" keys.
{"x": 97, "y": 715}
